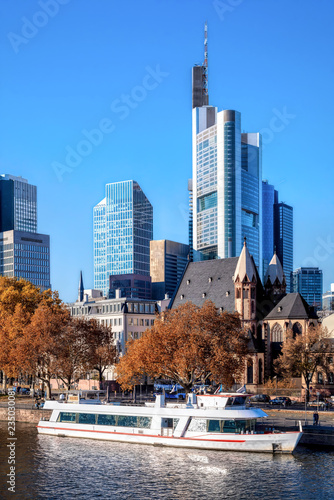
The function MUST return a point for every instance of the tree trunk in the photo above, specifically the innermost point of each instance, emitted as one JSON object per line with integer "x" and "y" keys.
{"x": 4, "y": 382}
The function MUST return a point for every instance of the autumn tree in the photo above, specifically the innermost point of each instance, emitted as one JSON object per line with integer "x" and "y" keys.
{"x": 42, "y": 339}
{"x": 303, "y": 354}
{"x": 102, "y": 349}
{"x": 19, "y": 299}
{"x": 187, "y": 344}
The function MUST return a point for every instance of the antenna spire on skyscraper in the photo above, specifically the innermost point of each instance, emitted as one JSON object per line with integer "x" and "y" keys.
{"x": 205, "y": 66}
{"x": 206, "y": 44}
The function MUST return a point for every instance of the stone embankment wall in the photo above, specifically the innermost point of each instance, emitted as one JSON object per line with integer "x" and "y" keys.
{"x": 30, "y": 416}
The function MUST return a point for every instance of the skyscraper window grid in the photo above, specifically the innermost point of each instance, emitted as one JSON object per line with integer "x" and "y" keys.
{"x": 123, "y": 229}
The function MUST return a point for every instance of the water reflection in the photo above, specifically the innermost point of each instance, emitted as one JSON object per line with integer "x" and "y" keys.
{"x": 63, "y": 468}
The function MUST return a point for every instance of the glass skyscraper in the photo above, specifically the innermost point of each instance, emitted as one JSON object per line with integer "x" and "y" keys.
{"x": 283, "y": 238}
{"x": 123, "y": 229}
{"x": 18, "y": 204}
{"x": 227, "y": 186}
{"x": 24, "y": 253}
{"x": 308, "y": 282}
{"x": 268, "y": 200}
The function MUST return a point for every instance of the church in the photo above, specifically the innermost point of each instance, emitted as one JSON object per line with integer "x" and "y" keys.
{"x": 266, "y": 310}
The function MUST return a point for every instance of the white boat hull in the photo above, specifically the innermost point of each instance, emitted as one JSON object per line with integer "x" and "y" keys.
{"x": 262, "y": 443}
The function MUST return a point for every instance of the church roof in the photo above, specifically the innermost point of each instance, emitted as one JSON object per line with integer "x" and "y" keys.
{"x": 292, "y": 306}
{"x": 275, "y": 270}
{"x": 207, "y": 280}
{"x": 245, "y": 266}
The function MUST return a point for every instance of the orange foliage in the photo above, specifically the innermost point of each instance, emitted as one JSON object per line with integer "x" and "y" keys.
{"x": 187, "y": 344}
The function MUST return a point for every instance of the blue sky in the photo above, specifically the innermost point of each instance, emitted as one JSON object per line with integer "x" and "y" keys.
{"x": 67, "y": 67}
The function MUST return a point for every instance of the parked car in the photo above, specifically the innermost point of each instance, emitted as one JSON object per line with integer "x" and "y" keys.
{"x": 25, "y": 390}
{"x": 259, "y": 398}
{"x": 281, "y": 400}
{"x": 316, "y": 404}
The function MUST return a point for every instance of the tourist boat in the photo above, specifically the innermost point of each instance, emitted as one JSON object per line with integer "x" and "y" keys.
{"x": 211, "y": 422}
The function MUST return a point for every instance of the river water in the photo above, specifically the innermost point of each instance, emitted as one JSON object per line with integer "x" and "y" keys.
{"x": 50, "y": 468}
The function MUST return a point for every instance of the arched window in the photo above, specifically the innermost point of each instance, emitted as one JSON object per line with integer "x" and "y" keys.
{"x": 277, "y": 333}
{"x": 259, "y": 332}
{"x": 331, "y": 378}
{"x": 250, "y": 371}
{"x": 260, "y": 371}
{"x": 297, "y": 329}
{"x": 320, "y": 378}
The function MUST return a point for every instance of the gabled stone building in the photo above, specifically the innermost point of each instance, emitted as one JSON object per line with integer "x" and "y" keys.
{"x": 267, "y": 312}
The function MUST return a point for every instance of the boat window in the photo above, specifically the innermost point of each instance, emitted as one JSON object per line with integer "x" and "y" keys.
{"x": 66, "y": 417}
{"x": 228, "y": 426}
{"x": 175, "y": 422}
{"x": 127, "y": 421}
{"x": 237, "y": 401}
{"x": 144, "y": 422}
{"x": 197, "y": 425}
{"x": 87, "y": 418}
{"x": 213, "y": 425}
{"x": 106, "y": 420}
{"x": 245, "y": 425}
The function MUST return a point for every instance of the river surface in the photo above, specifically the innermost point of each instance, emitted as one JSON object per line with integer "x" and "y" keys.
{"x": 50, "y": 468}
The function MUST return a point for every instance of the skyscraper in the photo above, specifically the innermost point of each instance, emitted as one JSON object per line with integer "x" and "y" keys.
{"x": 18, "y": 204}
{"x": 268, "y": 200}
{"x": 123, "y": 228}
{"x": 168, "y": 261}
{"x": 24, "y": 253}
{"x": 283, "y": 237}
{"x": 308, "y": 282}
{"x": 227, "y": 182}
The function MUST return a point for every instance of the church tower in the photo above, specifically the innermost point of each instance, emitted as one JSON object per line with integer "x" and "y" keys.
{"x": 81, "y": 289}
{"x": 274, "y": 281}
{"x": 245, "y": 281}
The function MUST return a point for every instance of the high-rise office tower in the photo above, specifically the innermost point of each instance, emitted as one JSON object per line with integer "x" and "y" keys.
{"x": 283, "y": 237}
{"x": 268, "y": 200}
{"x": 308, "y": 282}
{"x": 200, "y": 95}
{"x": 227, "y": 183}
{"x": 328, "y": 300}
{"x": 123, "y": 229}
{"x": 18, "y": 204}
{"x": 168, "y": 261}
{"x": 24, "y": 253}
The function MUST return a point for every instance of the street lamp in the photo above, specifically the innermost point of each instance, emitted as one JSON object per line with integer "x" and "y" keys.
{"x": 275, "y": 378}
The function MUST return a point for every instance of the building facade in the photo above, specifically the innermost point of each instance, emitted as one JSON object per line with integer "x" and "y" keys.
{"x": 268, "y": 200}
{"x": 308, "y": 282}
{"x": 267, "y": 312}
{"x": 24, "y": 253}
{"x": 283, "y": 237}
{"x": 328, "y": 300}
{"x": 226, "y": 183}
{"x": 18, "y": 204}
{"x": 168, "y": 260}
{"x": 130, "y": 285}
{"x": 123, "y": 228}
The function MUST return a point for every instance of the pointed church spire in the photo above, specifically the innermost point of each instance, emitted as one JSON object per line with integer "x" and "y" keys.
{"x": 275, "y": 271}
{"x": 81, "y": 289}
{"x": 245, "y": 267}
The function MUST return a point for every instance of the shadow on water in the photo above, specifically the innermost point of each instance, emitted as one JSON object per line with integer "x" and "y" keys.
{"x": 64, "y": 468}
